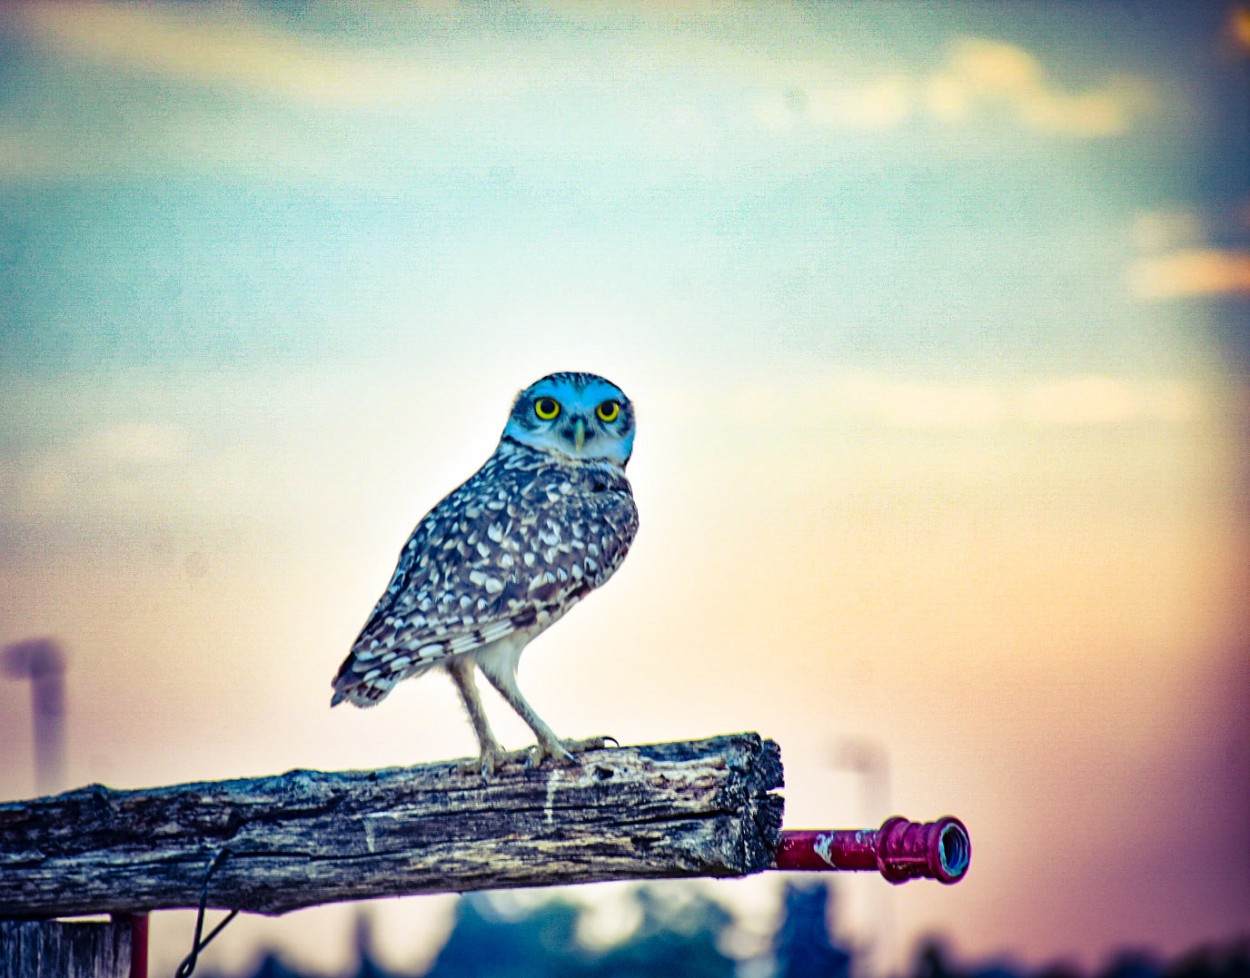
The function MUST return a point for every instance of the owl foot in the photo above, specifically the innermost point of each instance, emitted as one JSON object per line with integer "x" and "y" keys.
{"x": 565, "y": 751}
{"x": 544, "y": 749}
{"x": 484, "y": 765}
{"x": 492, "y": 758}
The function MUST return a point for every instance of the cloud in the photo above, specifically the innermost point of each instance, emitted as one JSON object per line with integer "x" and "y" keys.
{"x": 189, "y": 88}
{"x": 983, "y": 74}
{"x": 979, "y": 79}
{"x": 877, "y": 399}
{"x": 1158, "y": 231}
{"x": 1188, "y": 252}
{"x": 877, "y": 105}
{"x": 1095, "y": 401}
{"x": 217, "y": 46}
{"x": 1191, "y": 273}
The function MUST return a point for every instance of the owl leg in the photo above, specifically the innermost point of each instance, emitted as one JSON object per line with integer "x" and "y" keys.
{"x": 503, "y": 678}
{"x": 493, "y": 754}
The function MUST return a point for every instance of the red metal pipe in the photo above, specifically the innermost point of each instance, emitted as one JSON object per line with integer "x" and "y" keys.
{"x": 900, "y": 850}
{"x": 138, "y": 942}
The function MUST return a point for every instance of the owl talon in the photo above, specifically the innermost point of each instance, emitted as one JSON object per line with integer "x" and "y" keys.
{"x": 490, "y": 760}
{"x": 482, "y": 767}
{"x": 554, "y": 749}
{"x": 565, "y": 752}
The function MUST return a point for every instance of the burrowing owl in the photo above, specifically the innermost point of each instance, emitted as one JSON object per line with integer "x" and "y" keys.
{"x": 547, "y": 519}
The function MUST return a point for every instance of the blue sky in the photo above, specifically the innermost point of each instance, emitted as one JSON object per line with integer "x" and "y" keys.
{"x": 317, "y": 184}
{"x": 934, "y": 316}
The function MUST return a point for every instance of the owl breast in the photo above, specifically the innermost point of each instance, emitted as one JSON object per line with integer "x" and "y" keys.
{"x": 511, "y": 550}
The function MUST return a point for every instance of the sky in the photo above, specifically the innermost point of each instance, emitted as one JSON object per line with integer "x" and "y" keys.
{"x": 934, "y": 317}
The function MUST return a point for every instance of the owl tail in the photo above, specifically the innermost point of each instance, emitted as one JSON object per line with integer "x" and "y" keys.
{"x": 355, "y": 690}
{"x": 341, "y": 696}
{"x": 366, "y": 684}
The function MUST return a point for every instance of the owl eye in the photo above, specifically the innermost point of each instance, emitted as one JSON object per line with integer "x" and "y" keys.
{"x": 608, "y": 411}
{"x": 547, "y": 408}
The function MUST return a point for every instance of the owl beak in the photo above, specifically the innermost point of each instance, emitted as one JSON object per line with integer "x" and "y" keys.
{"x": 579, "y": 434}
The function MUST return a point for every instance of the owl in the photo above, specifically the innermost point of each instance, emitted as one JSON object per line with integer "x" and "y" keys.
{"x": 547, "y": 519}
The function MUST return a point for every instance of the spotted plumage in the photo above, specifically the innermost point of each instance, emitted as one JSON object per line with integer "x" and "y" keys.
{"x": 547, "y": 519}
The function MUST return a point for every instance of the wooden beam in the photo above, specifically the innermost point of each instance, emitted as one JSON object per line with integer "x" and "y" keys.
{"x": 699, "y": 808}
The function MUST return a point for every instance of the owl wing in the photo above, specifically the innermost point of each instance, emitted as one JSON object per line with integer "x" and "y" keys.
{"x": 512, "y": 549}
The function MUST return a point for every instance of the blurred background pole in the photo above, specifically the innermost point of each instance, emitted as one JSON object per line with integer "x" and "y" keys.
{"x": 42, "y": 662}
{"x": 871, "y": 761}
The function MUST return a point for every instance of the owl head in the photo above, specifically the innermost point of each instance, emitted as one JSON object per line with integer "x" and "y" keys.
{"x": 581, "y": 416}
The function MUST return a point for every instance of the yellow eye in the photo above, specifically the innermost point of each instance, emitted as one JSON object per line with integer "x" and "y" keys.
{"x": 547, "y": 408}
{"x": 608, "y": 411}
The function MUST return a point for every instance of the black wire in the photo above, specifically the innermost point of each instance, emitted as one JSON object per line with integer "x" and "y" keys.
{"x": 188, "y": 963}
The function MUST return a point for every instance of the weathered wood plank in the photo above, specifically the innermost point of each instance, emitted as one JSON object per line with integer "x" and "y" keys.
{"x": 64, "y": 949}
{"x": 699, "y": 808}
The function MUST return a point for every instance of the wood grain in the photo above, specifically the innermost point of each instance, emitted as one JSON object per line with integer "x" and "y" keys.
{"x": 33, "y": 949}
{"x": 695, "y": 808}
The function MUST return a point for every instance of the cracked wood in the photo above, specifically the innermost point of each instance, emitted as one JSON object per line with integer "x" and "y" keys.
{"x": 695, "y": 808}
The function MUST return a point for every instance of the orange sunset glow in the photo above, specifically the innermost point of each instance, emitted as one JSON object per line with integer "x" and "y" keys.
{"x": 934, "y": 318}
